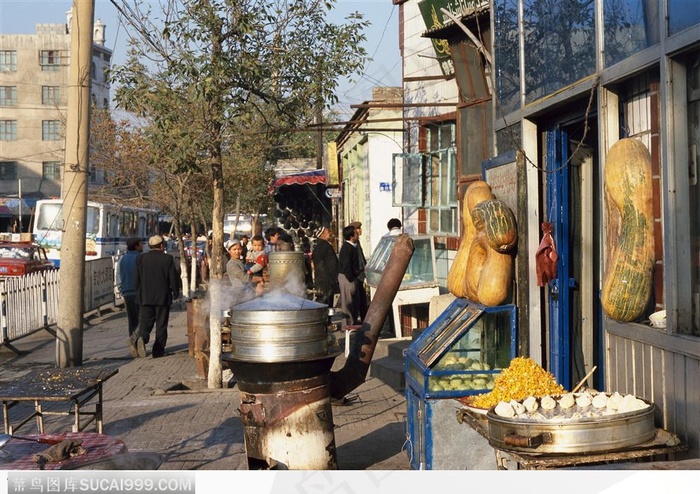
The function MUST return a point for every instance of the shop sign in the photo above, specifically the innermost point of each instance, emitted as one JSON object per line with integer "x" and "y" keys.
{"x": 431, "y": 10}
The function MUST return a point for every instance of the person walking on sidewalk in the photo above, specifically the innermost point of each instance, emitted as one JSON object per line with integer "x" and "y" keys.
{"x": 325, "y": 270}
{"x": 157, "y": 286}
{"x": 126, "y": 281}
{"x": 362, "y": 264}
{"x": 349, "y": 282}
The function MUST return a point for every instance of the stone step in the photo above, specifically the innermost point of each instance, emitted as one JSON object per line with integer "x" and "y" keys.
{"x": 391, "y": 347}
{"x": 390, "y": 371}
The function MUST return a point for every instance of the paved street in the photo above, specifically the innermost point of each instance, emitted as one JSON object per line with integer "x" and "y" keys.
{"x": 161, "y": 406}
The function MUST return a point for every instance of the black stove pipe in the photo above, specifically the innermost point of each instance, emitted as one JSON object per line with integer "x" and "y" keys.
{"x": 354, "y": 372}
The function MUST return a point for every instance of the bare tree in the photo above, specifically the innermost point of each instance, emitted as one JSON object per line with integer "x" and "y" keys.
{"x": 233, "y": 65}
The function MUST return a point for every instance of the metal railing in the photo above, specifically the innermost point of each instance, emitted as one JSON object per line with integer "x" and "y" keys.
{"x": 29, "y": 303}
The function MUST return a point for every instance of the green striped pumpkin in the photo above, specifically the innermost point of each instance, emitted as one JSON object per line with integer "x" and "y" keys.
{"x": 627, "y": 282}
{"x": 497, "y": 221}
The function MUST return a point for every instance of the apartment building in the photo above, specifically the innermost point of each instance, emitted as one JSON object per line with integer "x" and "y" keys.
{"x": 34, "y": 75}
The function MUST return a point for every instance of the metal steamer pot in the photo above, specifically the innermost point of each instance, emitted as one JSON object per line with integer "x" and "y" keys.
{"x": 279, "y": 327}
{"x": 583, "y": 435}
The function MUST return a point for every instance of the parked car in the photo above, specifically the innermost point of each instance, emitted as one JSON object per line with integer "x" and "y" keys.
{"x": 19, "y": 258}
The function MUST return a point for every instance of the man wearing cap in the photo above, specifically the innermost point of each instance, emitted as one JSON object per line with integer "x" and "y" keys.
{"x": 325, "y": 267}
{"x": 157, "y": 286}
{"x": 126, "y": 282}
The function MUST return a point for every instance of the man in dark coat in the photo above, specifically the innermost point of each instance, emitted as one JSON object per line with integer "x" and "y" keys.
{"x": 325, "y": 267}
{"x": 157, "y": 286}
{"x": 352, "y": 294}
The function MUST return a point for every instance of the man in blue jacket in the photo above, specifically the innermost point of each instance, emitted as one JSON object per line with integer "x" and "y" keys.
{"x": 157, "y": 285}
{"x": 126, "y": 284}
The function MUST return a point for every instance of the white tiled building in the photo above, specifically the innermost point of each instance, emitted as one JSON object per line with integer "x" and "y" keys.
{"x": 34, "y": 74}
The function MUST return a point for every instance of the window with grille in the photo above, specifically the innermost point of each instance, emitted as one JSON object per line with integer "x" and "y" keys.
{"x": 8, "y": 60}
{"x": 8, "y": 95}
{"x": 50, "y": 130}
{"x": 441, "y": 179}
{"x": 50, "y": 95}
{"x": 8, "y": 130}
{"x": 8, "y": 170}
{"x": 50, "y": 60}
{"x": 51, "y": 170}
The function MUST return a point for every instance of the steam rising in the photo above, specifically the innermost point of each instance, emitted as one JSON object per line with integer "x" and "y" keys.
{"x": 283, "y": 295}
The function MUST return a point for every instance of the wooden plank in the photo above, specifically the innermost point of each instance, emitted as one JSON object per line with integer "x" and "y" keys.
{"x": 680, "y": 387}
{"x": 648, "y": 373}
{"x": 691, "y": 434}
{"x": 658, "y": 382}
{"x": 637, "y": 375}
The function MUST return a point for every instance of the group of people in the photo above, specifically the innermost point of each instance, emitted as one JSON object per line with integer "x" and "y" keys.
{"x": 344, "y": 274}
{"x": 148, "y": 283}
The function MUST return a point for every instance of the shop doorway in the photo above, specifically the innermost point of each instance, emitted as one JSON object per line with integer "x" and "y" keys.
{"x": 572, "y": 205}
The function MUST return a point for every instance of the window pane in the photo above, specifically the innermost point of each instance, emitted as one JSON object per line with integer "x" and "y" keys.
{"x": 507, "y": 59}
{"x": 8, "y": 60}
{"x": 50, "y": 217}
{"x": 51, "y": 170}
{"x": 51, "y": 130}
{"x": 441, "y": 179}
{"x": 408, "y": 171}
{"x": 559, "y": 44}
{"x": 92, "y": 227}
{"x": 8, "y": 130}
{"x": 50, "y": 60}
{"x": 630, "y": 26}
{"x": 8, "y": 95}
{"x": 508, "y": 139}
{"x": 8, "y": 170}
{"x": 50, "y": 95}
{"x": 682, "y": 14}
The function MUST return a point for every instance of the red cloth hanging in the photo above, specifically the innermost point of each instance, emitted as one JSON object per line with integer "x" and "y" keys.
{"x": 546, "y": 257}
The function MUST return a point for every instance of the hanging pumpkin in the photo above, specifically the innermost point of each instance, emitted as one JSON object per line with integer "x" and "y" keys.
{"x": 483, "y": 267}
{"x": 629, "y": 245}
{"x": 476, "y": 192}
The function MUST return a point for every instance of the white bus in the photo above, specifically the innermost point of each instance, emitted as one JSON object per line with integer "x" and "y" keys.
{"x": 106, "y": 231}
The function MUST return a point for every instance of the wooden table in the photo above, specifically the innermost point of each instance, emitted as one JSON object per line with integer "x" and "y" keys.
{"x": 664, "y": 443}
{"x": 76, "y": 387}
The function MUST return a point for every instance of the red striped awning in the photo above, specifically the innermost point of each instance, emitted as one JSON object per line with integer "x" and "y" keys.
{"x": 311, "y": 178}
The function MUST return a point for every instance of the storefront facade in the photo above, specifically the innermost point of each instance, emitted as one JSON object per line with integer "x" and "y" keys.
{"x": 569, "y": 81}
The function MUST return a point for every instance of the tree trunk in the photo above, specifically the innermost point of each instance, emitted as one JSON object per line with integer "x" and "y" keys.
{"x": 217, "y": 284}
{"x": 193, "y": 255}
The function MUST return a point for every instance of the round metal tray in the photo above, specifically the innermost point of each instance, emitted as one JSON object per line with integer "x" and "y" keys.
{"x": 581, "y": 435}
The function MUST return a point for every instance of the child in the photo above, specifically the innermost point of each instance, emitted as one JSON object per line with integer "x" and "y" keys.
{"x": 256, "y": 259}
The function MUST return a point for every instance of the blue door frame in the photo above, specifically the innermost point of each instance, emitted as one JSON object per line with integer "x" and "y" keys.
{"x": 557, "y": 207}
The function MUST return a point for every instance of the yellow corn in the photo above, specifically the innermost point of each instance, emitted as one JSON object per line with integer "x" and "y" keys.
{"x": 523, "y": 378}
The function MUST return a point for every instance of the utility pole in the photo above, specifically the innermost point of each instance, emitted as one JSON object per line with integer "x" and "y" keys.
{"x": 69, "y": 333}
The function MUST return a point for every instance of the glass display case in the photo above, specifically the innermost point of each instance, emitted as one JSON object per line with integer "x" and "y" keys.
{"x": 463, "y": 351}
{"x": 460, "y": 354}
{"x": 420, "y": 271}
{"x": 419, "y": 283}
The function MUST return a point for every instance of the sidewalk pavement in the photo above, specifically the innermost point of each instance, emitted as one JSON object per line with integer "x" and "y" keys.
{"x": 162, "y": 406}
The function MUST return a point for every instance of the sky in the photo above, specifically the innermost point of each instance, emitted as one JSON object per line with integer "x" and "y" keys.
{"x": 20, "y": 17}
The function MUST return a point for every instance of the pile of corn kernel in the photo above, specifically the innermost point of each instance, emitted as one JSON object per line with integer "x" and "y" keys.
{"x": 521, "y": 379}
